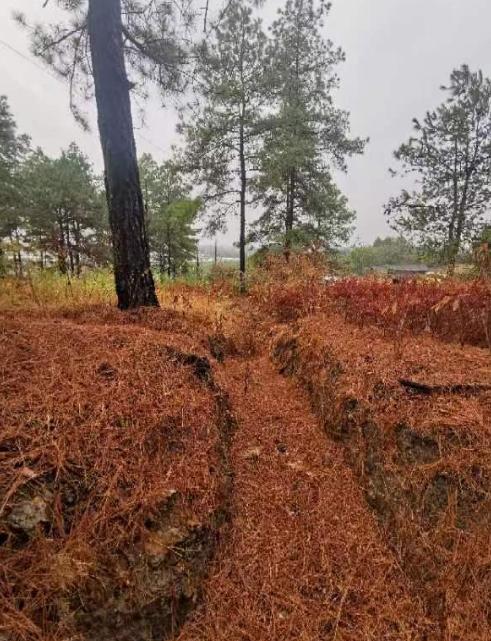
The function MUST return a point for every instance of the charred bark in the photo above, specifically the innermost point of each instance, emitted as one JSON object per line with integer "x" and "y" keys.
{"x": 134, "y": 282}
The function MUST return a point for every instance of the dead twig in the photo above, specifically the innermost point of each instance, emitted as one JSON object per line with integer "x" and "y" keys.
{"x": 461, "y": 388}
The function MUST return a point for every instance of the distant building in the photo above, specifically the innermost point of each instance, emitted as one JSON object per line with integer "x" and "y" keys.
{"x": 401, "y": 271}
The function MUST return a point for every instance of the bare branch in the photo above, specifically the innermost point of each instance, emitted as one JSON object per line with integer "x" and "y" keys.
{"x": 206, "y": 15}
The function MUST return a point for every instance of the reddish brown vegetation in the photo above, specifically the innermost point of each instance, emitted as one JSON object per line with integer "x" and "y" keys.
{"x": 451, "y": 310}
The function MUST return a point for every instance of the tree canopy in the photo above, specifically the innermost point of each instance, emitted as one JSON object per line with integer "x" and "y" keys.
{"x": 223, "y": 125}
{"x": 154, "y": 43}
{"x": 307, "y": 135}
{"x": 384, "y": 251}
{"x": 58, "y": 213}
{"x": 12, "y": 150}
{"x": 263, "y": 130}
{"x": 64, "y": 209}
{"x": 449, "y": 158}
{"x": 171, "y": 215}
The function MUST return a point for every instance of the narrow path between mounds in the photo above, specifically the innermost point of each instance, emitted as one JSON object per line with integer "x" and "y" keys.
{"x": 303, "y": 558}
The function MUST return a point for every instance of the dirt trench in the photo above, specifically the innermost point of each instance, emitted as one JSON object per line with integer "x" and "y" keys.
{"x": 303, "y": 557}
{"x": 179, "y": 554}
{"x": 421, "y": 458}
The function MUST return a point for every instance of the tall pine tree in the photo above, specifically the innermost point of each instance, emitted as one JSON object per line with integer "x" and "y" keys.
{"x": 307, "y": 135}
{"x": 450, "y": 157}
{"x": 12, "y": 150}
{"x": 223, "y": 126}
{"x": 171, "y": 215}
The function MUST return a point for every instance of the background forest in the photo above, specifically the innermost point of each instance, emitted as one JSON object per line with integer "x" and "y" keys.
{"x": 261, "y": 140}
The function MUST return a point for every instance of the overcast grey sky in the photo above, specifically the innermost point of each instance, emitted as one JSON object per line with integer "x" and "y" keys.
{"x": 399, "y": 52}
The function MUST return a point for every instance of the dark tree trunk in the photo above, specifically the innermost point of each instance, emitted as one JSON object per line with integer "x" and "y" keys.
{"x": 62, "y": 260}
{"x": 291, "y": 180}
{"x": 243, "y": 187}
{"x": 134, "y": 282}
{"x": 69, "y": 246}
{"x": 162, "y": 262}
{"x": 460, "y": 220}
{"x": 290, "y": 209}
{"x": 169, "y": 251}
{"x": 450, "y": 250}
{"x": 61, "y": 250}
{"x": 455, "y": 227}
{"x": 78, "y": 243}
{"x": 18, "y": 258}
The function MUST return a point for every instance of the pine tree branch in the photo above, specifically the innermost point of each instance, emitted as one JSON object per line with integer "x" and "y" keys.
{"x": 136, "y": 43}
{"x": 58, "y": 41}
{"x": 221, "y": 194}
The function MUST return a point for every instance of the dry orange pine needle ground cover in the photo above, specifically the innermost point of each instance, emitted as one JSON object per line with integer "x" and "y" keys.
{"x": 244, "y": 468}
{"x": 112, "y": 480}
